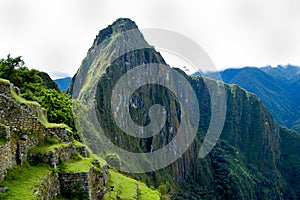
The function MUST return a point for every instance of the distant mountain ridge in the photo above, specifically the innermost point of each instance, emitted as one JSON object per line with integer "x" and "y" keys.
{"x": 278, "y": 88}
{"x": 284, "y": 73}
{"x": 63, "y": 83}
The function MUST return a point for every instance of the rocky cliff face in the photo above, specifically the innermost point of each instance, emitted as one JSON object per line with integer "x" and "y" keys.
{"x": 246, "y": 163}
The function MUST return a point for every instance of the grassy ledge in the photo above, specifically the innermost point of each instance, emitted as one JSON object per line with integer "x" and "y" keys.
{"x": 125, "y": 188}
{"x": 77, "y": 164}
{"x": 77, "y": 143}
{"x": 52, "y": 125}
{"x": 4, "y": 81}
{"x": 47, "y": 146}
{"x": 22, "y": 100}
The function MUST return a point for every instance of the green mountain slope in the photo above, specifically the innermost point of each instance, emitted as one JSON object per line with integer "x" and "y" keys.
{"x": 247, "y": 161}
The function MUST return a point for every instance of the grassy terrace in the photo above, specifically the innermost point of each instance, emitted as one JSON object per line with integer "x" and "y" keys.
{"x": 22, "y": 180}
{"x": 94, "y": 156}
{"x": 52, "y": 125}
{"x": 21, "y": 99}
{"x": 47, "y": 146}
{"x": 77, "y": 164}
{"x": 125, "y": 188}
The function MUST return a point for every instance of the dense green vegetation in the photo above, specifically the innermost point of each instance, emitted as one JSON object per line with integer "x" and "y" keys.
{"x": 290, "y": 161}
{"x": 37, "y": 86}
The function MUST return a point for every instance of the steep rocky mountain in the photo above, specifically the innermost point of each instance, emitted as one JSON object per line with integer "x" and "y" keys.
{"x": 254, "y": 158}
{"x": 63, "y": 83}
{"x": 278, "y": 88}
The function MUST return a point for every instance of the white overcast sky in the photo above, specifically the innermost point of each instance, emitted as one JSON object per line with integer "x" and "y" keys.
{"x": 54, "y": 36}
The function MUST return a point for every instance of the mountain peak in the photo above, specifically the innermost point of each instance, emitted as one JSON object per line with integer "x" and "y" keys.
{"x": 123, "y": 24}
{"x": 120, "y": 25}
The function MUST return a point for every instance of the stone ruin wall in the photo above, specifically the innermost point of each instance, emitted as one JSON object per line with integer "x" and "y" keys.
{"x": 21, "y": 129}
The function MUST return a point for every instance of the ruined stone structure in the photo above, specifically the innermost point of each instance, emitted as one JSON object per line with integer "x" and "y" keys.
{"x": 89, "y": 184}
{"x": 21, "y": 130}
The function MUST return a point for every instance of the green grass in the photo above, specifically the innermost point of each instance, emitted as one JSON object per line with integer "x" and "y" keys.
{"x": 51, "y": 125}
{"x": 77, "y": 164}
{"x": 47, "y": 146}
{"x": 94, "y": 156}
{"x": 22, "y": 100}
{"x": 77, "y": 143}
{"x": 4, "y": 81}
{"x": 101, "y": 160}
{"x": 22, "y": 180}
{"x": 125, "y": 188}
